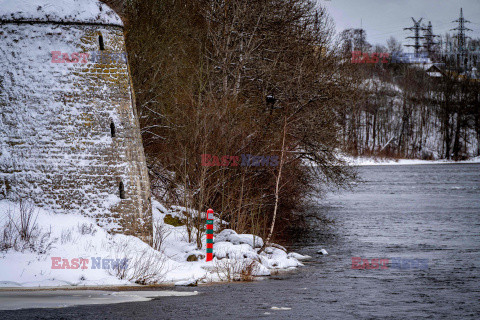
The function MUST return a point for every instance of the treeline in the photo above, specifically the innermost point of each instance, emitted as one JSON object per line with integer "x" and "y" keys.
{"x": 229, "y": 78}
{"x": 409, "y": 111}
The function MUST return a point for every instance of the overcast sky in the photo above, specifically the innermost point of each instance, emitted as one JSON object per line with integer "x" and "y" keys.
{"x": 385, "y": 18}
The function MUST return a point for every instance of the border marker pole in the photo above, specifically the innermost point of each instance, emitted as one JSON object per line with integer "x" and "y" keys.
{"x": 209, "y": 235}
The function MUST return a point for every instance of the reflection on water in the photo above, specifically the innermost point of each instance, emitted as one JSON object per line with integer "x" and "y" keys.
{"x": 406, "y": 212}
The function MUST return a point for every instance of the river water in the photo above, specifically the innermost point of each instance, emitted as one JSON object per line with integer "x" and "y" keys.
{"x": 413, "y": 212}
{"x": 428, "y": 212}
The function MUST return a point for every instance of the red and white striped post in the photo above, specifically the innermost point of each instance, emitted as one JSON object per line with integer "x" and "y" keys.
{"x": 209, "y": 235}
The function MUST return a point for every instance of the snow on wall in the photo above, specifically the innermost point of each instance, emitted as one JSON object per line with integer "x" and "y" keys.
{"x": 82, "y": 11}
{"x": 55, "y": 137}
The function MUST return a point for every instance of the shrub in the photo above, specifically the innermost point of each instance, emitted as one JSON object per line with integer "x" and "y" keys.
{"x": 21, "y": 231}
{"x": 160, "y": 233}
{"x": 87, "y": 228}
{"x": 144, "y": 266}
{"x": 235, "y": 269}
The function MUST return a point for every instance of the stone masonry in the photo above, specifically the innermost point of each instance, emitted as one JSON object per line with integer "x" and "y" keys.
{"x": 69, "y": 133}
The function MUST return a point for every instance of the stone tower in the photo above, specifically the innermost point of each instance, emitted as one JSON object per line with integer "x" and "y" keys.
{"x": 69, "y": 133}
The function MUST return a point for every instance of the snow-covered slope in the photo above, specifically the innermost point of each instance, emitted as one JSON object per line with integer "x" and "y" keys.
{"x": 71, "y": 250}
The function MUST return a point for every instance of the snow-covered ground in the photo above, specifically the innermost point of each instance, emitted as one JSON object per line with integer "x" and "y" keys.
{"x": 71, "y": 250}
{"x": 371, "y": 161}
{"x": 90, "y": 11}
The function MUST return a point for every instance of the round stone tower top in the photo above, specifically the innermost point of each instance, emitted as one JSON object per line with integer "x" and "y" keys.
{"x": 59, "y": 11}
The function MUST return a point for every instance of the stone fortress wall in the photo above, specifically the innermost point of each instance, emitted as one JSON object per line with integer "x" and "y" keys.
{"x": 69, "y": 133}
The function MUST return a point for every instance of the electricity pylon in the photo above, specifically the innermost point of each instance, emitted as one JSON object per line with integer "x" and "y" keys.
{"x": 460, "y": 36}
{"x": 416, "y": 29}
{"x": 429, "y": 38}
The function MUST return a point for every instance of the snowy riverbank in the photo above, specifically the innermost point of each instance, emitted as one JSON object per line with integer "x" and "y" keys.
{"x": 71, "y": 250}
{"x": 372, "y": 161}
